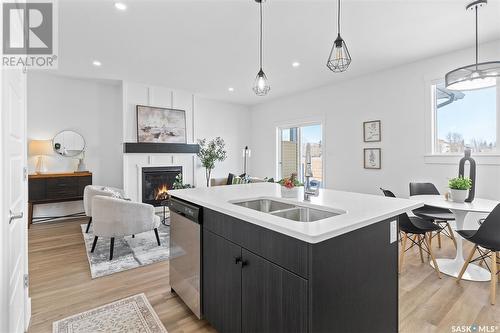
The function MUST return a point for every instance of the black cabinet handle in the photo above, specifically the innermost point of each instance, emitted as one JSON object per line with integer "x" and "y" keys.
{"x": 237, "y": 260}
{"x": 244, "y": 263}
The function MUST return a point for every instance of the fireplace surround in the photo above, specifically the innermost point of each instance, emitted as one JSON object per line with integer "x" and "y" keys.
{"x": 156, "y": 181}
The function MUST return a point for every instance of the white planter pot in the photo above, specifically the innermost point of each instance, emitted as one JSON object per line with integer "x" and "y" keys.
{"x": 289, "y": 192}
{"x": 458, "y": 195}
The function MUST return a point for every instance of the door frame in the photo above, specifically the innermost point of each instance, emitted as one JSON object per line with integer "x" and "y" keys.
{"x": 300, "y": 123}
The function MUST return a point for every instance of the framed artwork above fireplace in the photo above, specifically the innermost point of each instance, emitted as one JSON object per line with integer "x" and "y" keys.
{"x": 160, "y": 125}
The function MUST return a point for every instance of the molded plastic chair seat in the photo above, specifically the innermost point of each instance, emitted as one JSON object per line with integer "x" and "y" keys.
{"x": 422, "y": 226}
{"x": 433, "y": 213}
{"x": 491, "y": 243}
{"x": 466, "y": 233}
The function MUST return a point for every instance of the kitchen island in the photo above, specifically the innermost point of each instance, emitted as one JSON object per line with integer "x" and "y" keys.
{"x": 264, "y": 269}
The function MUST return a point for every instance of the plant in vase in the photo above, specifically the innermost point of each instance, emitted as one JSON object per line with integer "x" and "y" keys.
{"x": 211, "y": 152}
{"x": 290, "y": 186}
{"x": 459, "y": 188}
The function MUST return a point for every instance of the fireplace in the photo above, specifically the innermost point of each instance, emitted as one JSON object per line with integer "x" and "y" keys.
{"x": 156, "y": 181}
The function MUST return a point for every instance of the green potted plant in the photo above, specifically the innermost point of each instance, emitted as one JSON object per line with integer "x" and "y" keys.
{"x": 179, "y": 183}
{"x": 459, "y": 188}
{"x": 211, "y": 152}
{"x": 290, "y": 186}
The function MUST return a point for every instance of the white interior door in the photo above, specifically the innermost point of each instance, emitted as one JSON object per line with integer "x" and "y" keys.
{"x": 14, "y": 200}
{"x": 15, "y": 313}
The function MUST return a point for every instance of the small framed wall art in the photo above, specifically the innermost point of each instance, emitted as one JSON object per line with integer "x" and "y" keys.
{"x": 372, "y": 158}
{"x": 372, "y": 131}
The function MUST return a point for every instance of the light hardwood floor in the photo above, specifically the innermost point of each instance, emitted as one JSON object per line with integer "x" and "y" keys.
{"x": 60, "y": 286}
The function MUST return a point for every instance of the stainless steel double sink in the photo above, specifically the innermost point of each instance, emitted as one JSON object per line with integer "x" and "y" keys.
{"x": 294, "y": 212}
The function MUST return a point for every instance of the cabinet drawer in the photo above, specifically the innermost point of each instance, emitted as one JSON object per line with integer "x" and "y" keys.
{"x": 62, "y": 188}
{"x": 36, "y": 189}
{"x": 82, "y": 182}
{"x": 283, "y": 250}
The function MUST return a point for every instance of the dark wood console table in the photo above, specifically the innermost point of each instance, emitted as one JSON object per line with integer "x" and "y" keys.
{"x": 55, "y": 187}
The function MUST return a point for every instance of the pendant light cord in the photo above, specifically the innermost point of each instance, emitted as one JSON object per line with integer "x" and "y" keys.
{"x": 338, "y": 18}
{"x": 260, "y": 6}
{"x": 477, "y": 38}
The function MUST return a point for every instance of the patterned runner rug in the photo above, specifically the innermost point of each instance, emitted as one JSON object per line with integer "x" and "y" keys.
{"x": 131, "y": 314}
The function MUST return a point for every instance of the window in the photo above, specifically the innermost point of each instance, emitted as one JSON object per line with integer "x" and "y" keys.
{"x": 465, "y": 119}
{"x": 292, "y": 151}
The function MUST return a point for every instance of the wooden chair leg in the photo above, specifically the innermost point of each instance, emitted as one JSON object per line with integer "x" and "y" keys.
{"x": 402, "y": 255}
{"x": 88, "y": 225}
{"x": 432, "y": 254}
{"x": 452, "y": 235}
{"x": 494, "y": 277}
{"x": 439, "y": 239}
{"x": 157, "y": 236}
{"x": 94, "y": 244}
{"x": 466, "y": 263}
{"x": 420, "y": 243}
{"x": 111, "y": 248}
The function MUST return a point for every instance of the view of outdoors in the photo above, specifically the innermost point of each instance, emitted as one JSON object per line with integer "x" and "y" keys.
{"x": 457, "y": 127}
{"x": 293, "y": 143}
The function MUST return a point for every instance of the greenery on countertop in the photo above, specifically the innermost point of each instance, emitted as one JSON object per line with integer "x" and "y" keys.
{"x": 290, "y": 182}
{"x": 460, "y": 183}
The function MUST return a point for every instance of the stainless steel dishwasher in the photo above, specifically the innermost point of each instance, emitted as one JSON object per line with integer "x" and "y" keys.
{"x": 185, "y": 252}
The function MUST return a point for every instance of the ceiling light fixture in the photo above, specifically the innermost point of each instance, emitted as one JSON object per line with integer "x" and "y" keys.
{"x": 120, "y": 5}
{"x": 295, "y": 64}
{"x": 261, "y": 86}
{"x": 476, "y": 76}
{"x": 339, "y": 59}
{"x": 230, "y": 89}
{"x": 96, "y": 63}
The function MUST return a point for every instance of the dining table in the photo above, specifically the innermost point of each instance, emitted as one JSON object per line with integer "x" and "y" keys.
{"x": 452, "y": 267}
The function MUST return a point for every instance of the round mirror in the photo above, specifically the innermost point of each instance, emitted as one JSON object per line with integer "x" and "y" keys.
{"x": 68, "y": 143}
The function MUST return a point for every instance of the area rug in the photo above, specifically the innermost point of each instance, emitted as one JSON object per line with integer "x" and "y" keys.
{"x": 131, "y": 314}
{"x": 128, "y": 252}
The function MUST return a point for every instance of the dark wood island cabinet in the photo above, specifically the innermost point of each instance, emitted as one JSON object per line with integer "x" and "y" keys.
{"x": 258, "y": 280}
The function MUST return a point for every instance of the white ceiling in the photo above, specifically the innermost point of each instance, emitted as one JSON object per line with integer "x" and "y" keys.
{"x": 207, "y": 46}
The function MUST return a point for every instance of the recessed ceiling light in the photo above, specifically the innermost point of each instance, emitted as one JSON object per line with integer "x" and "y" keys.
{"x": 295, "y": 64}
{"x": 230, "y": 89}
{"x": 96, "y": 63}
{"x": 120, "y": 5}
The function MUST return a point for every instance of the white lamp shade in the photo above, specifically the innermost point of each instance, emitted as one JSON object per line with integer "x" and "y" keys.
{"x": 40, "y": 147}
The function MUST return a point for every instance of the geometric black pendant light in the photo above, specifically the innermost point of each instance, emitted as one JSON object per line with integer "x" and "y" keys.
{"x": 339, "y": 59}
{"x": 261, "y": 86}
{"x": 478, "y": 75}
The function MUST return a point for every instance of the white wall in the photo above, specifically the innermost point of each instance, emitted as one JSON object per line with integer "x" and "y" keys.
{"x": 400, "y": 99}
{"x": 91, "y": 108}
{"x": 229, "y": 121}
{"x": 204, "y": 119}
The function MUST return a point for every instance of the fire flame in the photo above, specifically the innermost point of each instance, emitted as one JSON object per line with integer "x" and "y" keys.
{"x": 161, "y": 193}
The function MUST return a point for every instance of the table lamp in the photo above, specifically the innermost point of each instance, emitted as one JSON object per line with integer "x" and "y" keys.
{"x": 40, "y": 148}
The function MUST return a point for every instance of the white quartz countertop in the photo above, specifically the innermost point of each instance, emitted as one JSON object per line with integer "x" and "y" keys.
{"x": 360, "y": 209}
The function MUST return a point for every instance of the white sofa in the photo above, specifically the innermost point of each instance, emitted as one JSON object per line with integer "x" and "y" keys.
{"x": 113, "y": 217}
{"x": 91, "y": 191}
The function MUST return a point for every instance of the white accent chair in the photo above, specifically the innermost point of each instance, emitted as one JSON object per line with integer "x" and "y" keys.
{"x": 114, "y": 217}
{"x": 90, "y": 192}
